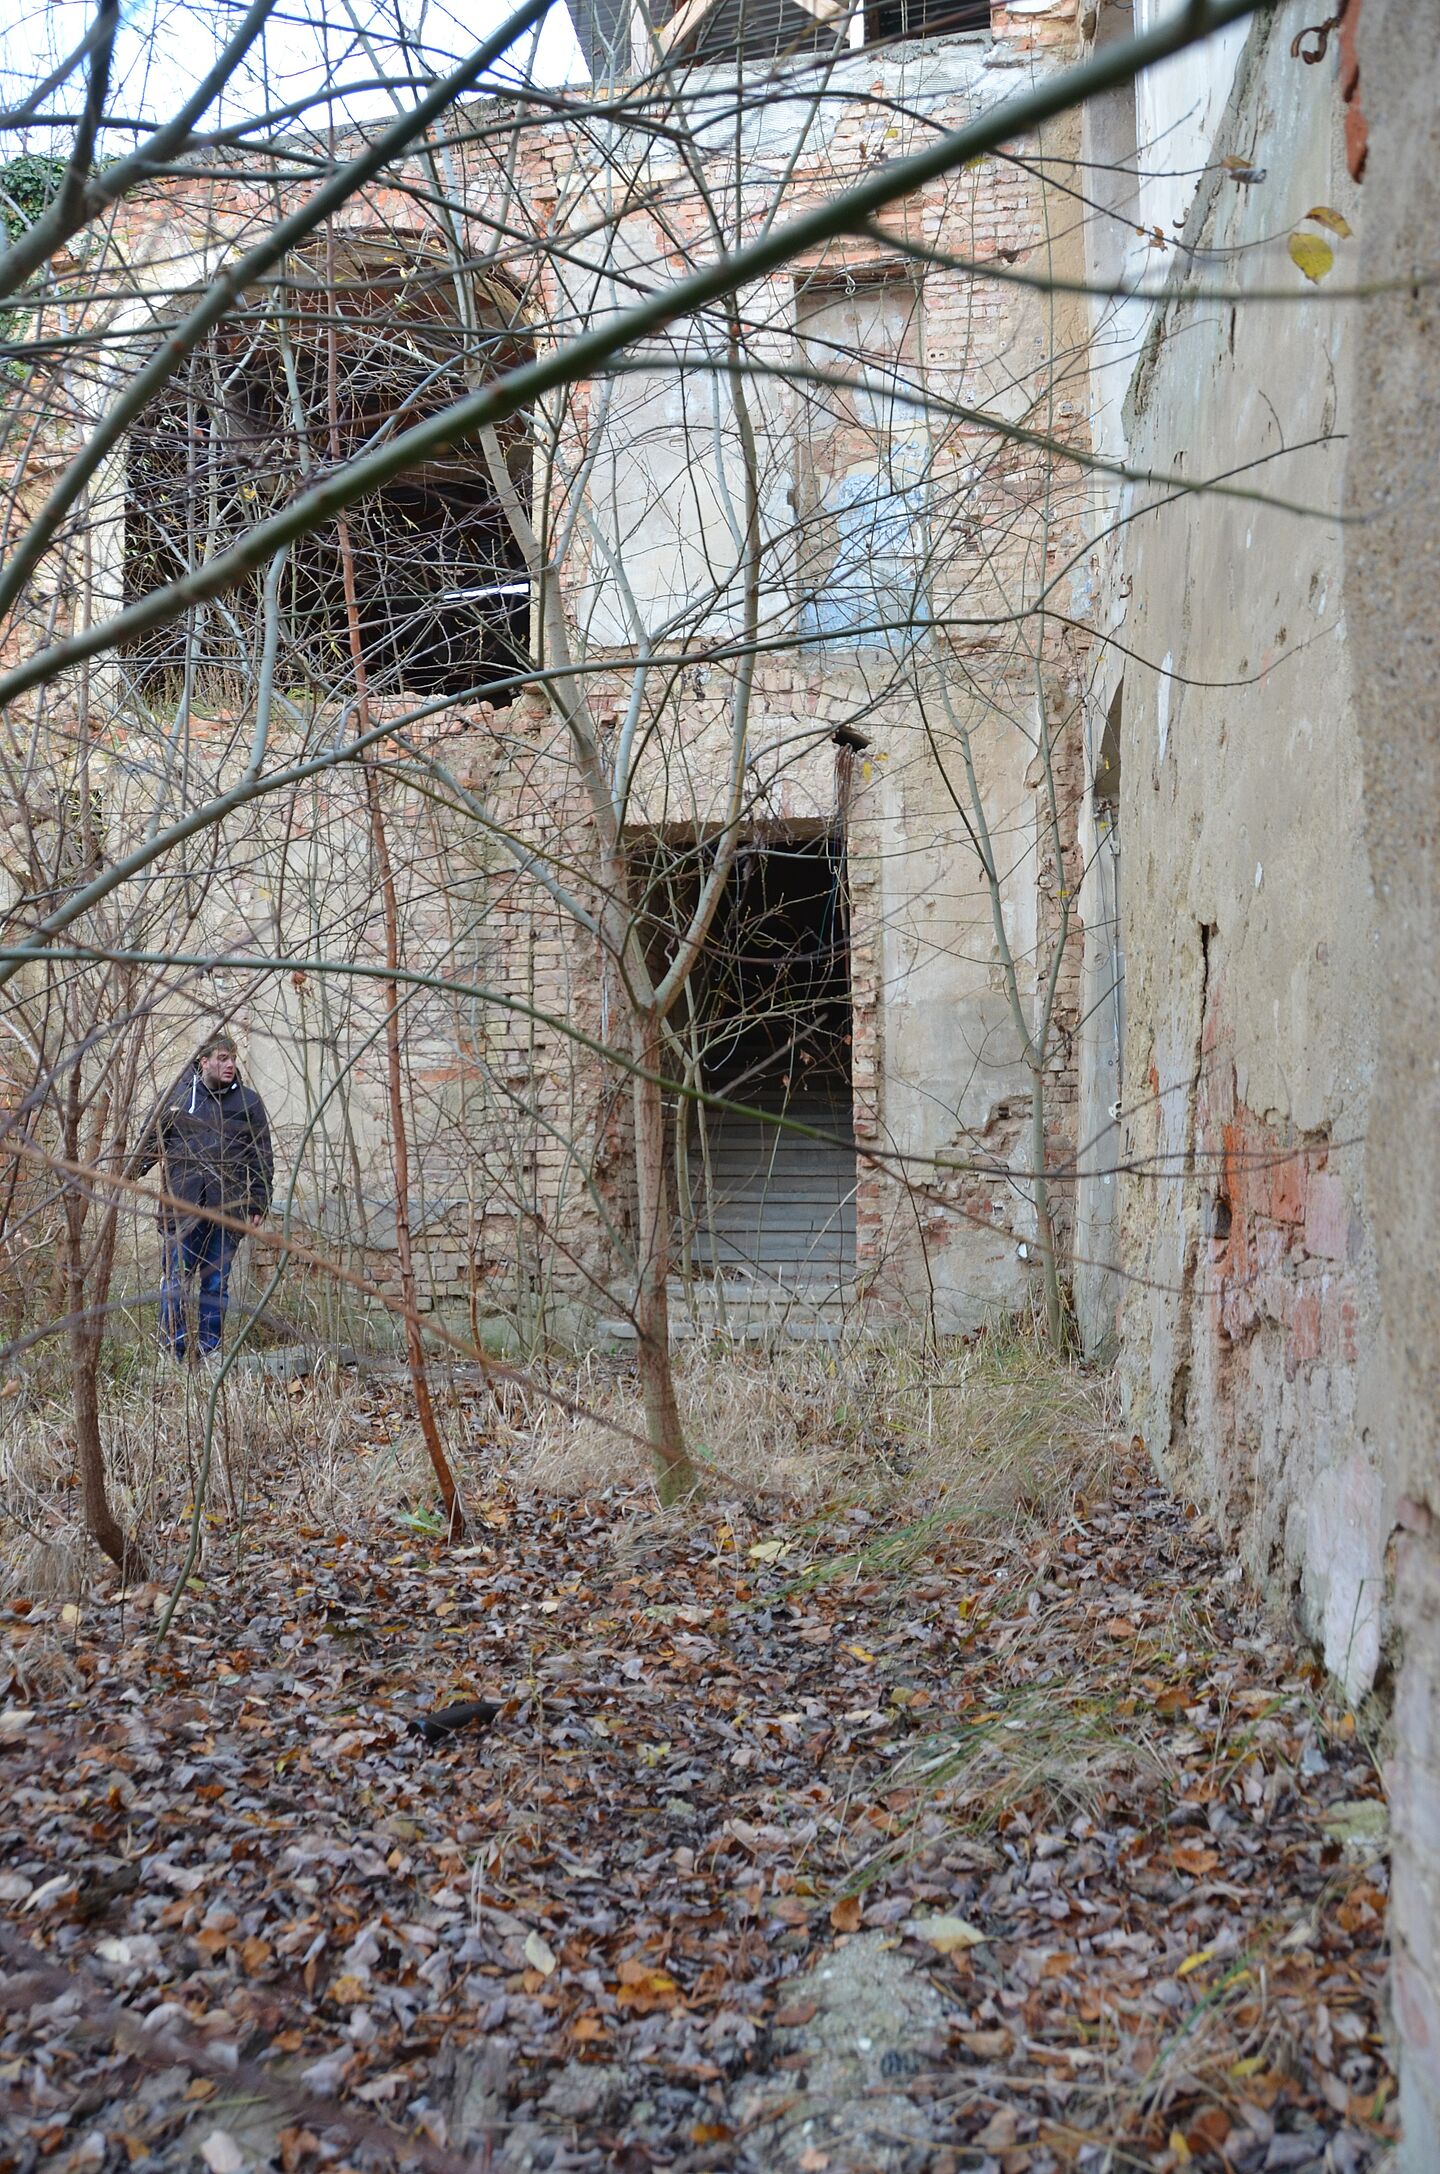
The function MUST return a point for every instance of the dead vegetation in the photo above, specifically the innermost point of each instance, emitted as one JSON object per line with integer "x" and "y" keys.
{"x": 991, "y": 1431}
{"x": 947, "y": 1689}
{"x": 993, "y": 1426}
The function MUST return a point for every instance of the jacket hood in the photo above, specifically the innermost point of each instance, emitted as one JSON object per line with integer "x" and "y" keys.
{"x": 196, "y": 1083}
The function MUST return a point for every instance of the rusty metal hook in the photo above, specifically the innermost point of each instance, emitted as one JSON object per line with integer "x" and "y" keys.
{"x": 1320, "y": 32}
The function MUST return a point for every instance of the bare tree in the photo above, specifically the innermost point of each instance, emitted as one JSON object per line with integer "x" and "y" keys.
{"x": 383, "y": 447}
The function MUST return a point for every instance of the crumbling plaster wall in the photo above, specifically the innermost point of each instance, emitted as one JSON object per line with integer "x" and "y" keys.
{"x": 1281, "y": 923}
{"x": 935, "y": 1059}
{"x": 958, "y": 1245}
{"x": 508, "y": 1094}
{"x": 1394, "y": 623}
{"x": 1248, "y": 924}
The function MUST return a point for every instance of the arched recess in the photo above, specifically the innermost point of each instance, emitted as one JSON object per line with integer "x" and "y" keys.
{"x": 359, "y": 338}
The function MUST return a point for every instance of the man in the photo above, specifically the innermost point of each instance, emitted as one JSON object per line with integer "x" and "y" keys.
{"x": 211, "y": 1141}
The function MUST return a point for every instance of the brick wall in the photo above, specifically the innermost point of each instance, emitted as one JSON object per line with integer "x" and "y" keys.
{"x": 522, "y": 1196}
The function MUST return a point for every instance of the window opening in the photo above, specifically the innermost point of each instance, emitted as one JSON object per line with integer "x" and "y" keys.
{"x": 862, "y": 461}
{"x": 602, "y": 31}
{"x": 1107, "y": 762}
{"x": 888, "y": 20}
{"x": 715, "y": 31}
{"x": 442, "y": 590}
{"x": 767, "y": 1022}
{"x": 1107, "y": 877}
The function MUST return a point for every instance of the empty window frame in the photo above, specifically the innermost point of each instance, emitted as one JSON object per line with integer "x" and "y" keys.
{"x": 359, "y": 340}
{"x": 712, "y": 32}
{"x": 862, "y": 460}
{"x": 1107, "y": 759}
{"x": 887, "y": 21}
{"x": 715, "y": 31}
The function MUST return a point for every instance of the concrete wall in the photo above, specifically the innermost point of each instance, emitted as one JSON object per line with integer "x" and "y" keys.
{"x": 1275, "y": 1262}
{"x": 1394, "y": 620}
{"x": 1247, "y": 921}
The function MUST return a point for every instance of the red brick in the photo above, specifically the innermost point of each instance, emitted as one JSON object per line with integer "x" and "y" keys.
{"x": 1339, "y": 1318}
{"x": 1327, "y": 1217}
{"x": 1304, "y": 1341}
{"x": 1286, "y": 1182}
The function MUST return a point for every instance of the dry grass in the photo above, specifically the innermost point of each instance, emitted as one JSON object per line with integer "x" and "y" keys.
{"x": 993, "y": 1431}
{"x": 993, "y": 1427}
{"x": 267, "y": 1445}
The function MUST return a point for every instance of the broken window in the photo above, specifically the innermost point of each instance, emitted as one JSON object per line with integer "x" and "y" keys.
{"x": 1105, "y": 911}
{"x": 1107, "y": 760}
{"x": 862, "y": 461}
{"x": 765, "y": 1022}
{"x": 887, "y": 20}
{"x": 602, "y": 31}
{"x": 360, "y": 340}
{"x": 721, "y": 30}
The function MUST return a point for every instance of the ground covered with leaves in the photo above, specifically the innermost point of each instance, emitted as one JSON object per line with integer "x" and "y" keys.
{"x": 884, "y": 1836}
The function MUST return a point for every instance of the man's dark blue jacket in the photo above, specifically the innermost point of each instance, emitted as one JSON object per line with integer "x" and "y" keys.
{"x": 212, "y": 1145}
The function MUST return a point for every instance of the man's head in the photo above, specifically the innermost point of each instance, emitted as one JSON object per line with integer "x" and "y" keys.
{"x": 215, "y": 1061}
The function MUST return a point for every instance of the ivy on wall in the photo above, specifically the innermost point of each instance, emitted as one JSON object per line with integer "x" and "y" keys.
{"x": 27, "y": 184}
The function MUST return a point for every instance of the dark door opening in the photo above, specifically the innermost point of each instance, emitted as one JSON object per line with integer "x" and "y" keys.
{"x": 765, "y": 1022}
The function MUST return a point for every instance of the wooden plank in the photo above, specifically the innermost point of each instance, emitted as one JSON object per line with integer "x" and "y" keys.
{"x": 778, "y": 1203}
{"x": 819, "y": 1187}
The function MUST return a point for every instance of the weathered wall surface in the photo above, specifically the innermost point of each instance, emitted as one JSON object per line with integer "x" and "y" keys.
{"x": 1279, "y": 815}
{"x": 937, "y": 1070}
{"x": 1247, "y": 920}
{"x": 935, "y": 1062}
{"x": 521, "y": 1200}
{"x": 1394, "y": 621}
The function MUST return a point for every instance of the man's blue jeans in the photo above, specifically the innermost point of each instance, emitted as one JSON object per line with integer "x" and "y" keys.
{"x": 201, "y": 1254}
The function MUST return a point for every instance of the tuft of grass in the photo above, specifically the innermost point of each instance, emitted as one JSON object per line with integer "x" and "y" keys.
{"x": 995, "y": 1432}
{"x": 1056, "y": 1755}
{"x": 994, "y": 1429}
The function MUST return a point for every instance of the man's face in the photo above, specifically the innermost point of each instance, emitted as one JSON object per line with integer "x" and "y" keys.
{"x": 218, "y": 1069}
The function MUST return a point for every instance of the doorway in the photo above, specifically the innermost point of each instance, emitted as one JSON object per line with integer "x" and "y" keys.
{"x": 766, "y": 1023}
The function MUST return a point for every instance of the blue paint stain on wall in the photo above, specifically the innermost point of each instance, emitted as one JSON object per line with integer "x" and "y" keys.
{"x": 874, "y": 595}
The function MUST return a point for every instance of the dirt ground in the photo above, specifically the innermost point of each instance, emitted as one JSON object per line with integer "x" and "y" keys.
{"x": 881, "y": 1836}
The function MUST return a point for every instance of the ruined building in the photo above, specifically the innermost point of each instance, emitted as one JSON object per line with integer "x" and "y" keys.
{"x": 812, "y": 605}
{"x": 1016, "y": 621}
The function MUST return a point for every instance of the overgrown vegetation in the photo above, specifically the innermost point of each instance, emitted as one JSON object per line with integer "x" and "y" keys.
{"x": 979, "y": 1435}
{"x": 937, "y": 1698}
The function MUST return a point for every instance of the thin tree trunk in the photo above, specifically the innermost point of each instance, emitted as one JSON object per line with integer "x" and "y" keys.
{"x": 400, "y": 1145}
{"x": 676, "y": 1475}
{"x": 85, "y": 1341}
{"x": 664, "y": 1428}
{"x": 1044, "y": 1222}
{"x": 100, "y": 1520}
